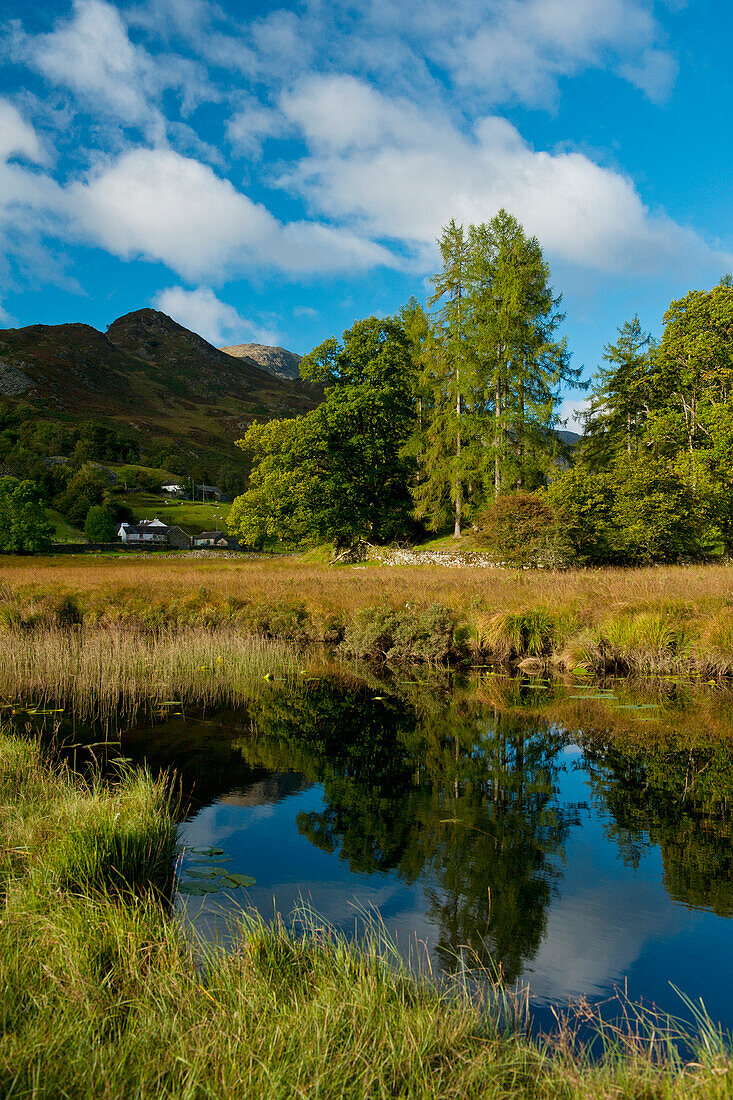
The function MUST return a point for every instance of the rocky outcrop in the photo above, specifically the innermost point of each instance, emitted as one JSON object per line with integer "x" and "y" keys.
{"x": 13, "y": 380}
{"x": 277, "y": 361}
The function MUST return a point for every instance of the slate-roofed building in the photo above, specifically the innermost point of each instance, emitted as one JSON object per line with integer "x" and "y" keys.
{"x": 155, "y": 532}
{"x": 218, "y": 540}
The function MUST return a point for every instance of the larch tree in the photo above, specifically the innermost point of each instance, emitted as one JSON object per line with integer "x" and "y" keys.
{"x": 491, "y": 372}
{"x": 446, "y": 381}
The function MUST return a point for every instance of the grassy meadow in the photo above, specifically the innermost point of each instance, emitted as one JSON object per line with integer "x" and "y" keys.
{"x": 658, "y": 619}
{"x": 104, "y": 995}
{"x": 192, "y": 515}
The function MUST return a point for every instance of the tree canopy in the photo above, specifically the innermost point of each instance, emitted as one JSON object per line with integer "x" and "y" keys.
{"x": 446, "y": 415}
{"x": 24, "y": 528}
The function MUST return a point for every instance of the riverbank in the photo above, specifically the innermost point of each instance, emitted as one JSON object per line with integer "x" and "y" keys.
{"x": 666, "y": 619}
{"x": 104, "y": 996}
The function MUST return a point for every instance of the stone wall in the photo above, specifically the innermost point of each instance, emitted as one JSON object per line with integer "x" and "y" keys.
{"x": 450, "y": 559}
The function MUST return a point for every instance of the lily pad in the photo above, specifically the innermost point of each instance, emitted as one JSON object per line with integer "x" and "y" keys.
{"x": 198, "y": 888}
{"x": 239, "y": 880}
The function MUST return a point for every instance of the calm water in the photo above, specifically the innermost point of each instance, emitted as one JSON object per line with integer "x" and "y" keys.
{"x": 580, "y": 837}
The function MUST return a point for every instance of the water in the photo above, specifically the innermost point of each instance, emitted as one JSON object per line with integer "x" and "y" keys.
{"x": 581, "y": 839}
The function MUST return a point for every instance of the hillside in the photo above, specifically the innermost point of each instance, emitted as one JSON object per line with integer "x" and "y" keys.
{"x": 165, "y": 386}
{"x": 276, "y": 361}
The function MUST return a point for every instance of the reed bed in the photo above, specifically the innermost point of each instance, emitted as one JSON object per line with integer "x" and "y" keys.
{"x": 653, "y": 620}
{"x": 102, "y": 671}
{"x": 103, "y": 994}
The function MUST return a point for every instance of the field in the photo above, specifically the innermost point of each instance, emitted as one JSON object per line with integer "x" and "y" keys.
{"x": 193, "y": 516}
{"x": 104, "y": 996}
{"x": 63, "y": 531}
{"x": 645, "y": 620}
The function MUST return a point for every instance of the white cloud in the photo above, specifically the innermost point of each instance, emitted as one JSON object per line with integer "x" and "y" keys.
{"x": 162, "y": 206}
{"x": 251, "y": 124}
{"x": 17, "y": 137}
{"x": 219, "y": 323}
{"x": 392, "y": 171}
{"x": 517, "y": 49}
{"x": 513, "y": 50}
{"x": 568, "y": 411}
{"x": 157, "y": 204}
{"x": 91, "y": 54}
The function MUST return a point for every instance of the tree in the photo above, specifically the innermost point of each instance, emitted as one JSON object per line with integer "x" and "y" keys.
{"x": 491, "y": 371}
{"x": 86, "y": 487}
{"x": 343, "y": 471}
{"x": 279, "y": 502}
{"x": 620, "y": 396}
{"x": 100, "y": 524}
{"x": 448, "y": 377}
{"x": 632, "y": 513}
{"x": 24, "y": 528}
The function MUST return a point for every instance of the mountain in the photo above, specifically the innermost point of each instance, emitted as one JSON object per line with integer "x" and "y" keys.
{"x": 164, "y": 385}
{"x": 277, "y": 361}
{"x": 571, "y": 438}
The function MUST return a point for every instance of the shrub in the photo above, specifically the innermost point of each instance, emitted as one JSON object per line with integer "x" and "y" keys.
{"x": 100, "y": 525}
{"x": 522, "y": 529}
{"x": 410, "y": 634}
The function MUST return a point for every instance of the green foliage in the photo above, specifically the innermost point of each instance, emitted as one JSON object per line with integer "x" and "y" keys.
{"x": 522, "y": 529}
{"x": 86, "y": 487}
{"x": 634, "y": 513}
{"x": 342, "y": 471}
{"x": 100, "y": 524}
{"x": 412, "y": 633}
{"x": 619, "y": 402}
{"x": 24, "y": 528}
{"x": 490, "y": 372}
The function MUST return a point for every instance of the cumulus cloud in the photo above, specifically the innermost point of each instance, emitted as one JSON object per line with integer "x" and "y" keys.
{"x": 162, "y": 206}
{"x": 218, "y": 322}
{"x": 392, "y": 171}
{"x": 17, "y": 137}
{"x": 91, "y": 54}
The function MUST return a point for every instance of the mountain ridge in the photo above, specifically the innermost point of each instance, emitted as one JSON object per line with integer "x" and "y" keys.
{"x": 160, "y": 382}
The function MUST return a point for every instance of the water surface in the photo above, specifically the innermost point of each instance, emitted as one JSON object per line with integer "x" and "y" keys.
{"x": 580, "y": 838}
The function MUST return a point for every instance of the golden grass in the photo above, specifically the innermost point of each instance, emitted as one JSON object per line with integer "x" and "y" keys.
{"x": 593, "y": 593}
{"x": 666, "y": 618}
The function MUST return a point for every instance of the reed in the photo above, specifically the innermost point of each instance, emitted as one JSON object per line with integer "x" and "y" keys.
{"x": 102, "y": 671}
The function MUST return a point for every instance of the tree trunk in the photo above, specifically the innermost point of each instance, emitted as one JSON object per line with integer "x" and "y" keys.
{"x": 497, "y": 441}
{"x": 458, "y": 488}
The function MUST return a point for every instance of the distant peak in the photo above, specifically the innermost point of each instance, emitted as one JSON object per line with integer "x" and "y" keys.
{"x": 278, "y": 361}
{"x": 147, "y": 320}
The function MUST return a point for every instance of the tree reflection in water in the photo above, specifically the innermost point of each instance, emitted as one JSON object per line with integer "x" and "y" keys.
{"x": 457, "y": 789}
{"x": 461, "y": 797}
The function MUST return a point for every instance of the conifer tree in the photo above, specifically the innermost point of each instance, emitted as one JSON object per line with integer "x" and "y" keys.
{"x": 491, "y": 371}
{"x": 620, "y": 396}
{"x": 445, "y": 380}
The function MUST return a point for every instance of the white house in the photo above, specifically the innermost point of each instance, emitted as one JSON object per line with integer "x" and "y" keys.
{"x": 147, "y": 530}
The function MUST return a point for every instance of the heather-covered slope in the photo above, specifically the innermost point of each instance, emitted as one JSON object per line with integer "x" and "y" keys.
{"x": 159, "y": 381}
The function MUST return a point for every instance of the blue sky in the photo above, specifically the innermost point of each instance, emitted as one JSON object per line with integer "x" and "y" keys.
{"x": 271, "y": 172}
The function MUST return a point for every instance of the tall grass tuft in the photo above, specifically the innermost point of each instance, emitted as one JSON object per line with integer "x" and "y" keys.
{"x": 534, "y": 632}
{"x": 99, "y": 672}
